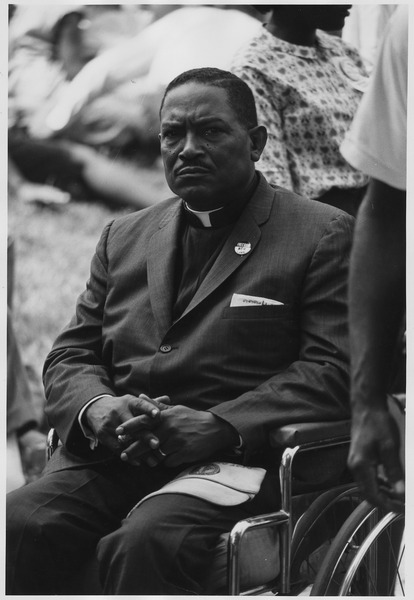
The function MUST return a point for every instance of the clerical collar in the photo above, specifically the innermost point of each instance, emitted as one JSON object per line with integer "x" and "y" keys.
{"x": 218, "y": 217}
{"x": 208, "y": 218}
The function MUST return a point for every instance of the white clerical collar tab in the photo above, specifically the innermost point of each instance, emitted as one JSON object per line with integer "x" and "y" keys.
{"x": 202, "y": 215}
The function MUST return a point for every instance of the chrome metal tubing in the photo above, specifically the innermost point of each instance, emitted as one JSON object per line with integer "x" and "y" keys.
{"x": 277, "y": 519}
{"x": 369, "y": 540}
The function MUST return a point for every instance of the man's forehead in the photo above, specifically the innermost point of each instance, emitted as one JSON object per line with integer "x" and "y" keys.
{"x": 200, "y": 100}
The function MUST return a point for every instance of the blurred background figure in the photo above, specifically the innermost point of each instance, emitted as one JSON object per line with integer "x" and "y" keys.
{"x": 365, "y": 27}
{"x": 307, "y": 85}
{"x": 25, "y": 441}
{"x": 135, "y": 73}
{"x": 30, "y": 191}
{"x": 48, "y": 46}
{"x": 97, "y": 120}
{"x": 376, "y": 144}
{"x": 26, "y": 444}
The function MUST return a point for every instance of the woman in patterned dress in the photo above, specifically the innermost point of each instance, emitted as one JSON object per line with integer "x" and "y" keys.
{"x": 307, "y": 85}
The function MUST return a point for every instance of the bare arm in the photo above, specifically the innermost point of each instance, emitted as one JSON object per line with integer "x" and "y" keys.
{"x": 376, "y": 305}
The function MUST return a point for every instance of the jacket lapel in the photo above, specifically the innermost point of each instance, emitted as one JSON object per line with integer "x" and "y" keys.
{"x": 247, "y": 230}
{"x": 162, "y": 252}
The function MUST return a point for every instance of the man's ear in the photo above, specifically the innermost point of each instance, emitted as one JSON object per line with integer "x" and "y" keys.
{"x": 258, "y": 138}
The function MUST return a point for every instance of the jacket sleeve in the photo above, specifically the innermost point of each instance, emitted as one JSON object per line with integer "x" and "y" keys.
{"x": 74, "y": 371}
{"x": 315, "y": 387}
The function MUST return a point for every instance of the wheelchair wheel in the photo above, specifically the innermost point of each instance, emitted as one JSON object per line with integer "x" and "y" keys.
{"x": 361, "y": 563}
{"x": 315, "y": 531}
{"x": 377, "y": 567}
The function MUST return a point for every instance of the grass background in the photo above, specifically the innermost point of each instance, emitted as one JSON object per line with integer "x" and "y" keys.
{"x": 52, "y": 250}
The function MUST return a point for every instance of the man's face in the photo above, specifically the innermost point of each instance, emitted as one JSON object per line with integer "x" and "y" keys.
{"x": 207, "y": 153}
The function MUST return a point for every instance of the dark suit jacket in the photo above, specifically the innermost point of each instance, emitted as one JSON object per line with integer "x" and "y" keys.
{"x": 257, "y": 367}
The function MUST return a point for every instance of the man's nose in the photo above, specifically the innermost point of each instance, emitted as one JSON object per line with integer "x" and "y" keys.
{"x": 191, "y": 147}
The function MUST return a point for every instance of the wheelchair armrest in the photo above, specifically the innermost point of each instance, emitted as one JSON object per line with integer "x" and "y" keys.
{"x": 299, "y": 434}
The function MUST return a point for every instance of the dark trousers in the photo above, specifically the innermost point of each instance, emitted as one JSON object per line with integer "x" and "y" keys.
{"x": 59, "y": 524}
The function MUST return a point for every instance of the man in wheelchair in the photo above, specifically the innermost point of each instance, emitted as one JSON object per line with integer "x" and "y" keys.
{"x": 208, "y": 321}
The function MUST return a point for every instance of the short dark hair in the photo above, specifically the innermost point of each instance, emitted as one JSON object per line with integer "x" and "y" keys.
{"x": 240, "y": 96}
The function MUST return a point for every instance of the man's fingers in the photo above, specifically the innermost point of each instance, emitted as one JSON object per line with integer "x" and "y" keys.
{"x": 398, "y": 489}
{"x": 366, "y": 478}
{"x": 147, "y": 413}
{"x": 139, "y": 448}
{"x": 128, "y": 454}
{"x": 378, "y": 494}
{"x": 143, "y": 405}
{"x": 163, "y": 400}
{"x": 393, "y": 471}
{"x": 134, "y": 426}
{"x": 110, "y": 442}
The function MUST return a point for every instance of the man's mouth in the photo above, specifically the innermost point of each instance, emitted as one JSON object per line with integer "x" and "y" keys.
{"x": 191, "y": 170}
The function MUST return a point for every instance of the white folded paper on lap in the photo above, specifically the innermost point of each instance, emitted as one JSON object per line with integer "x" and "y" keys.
{"x": 221, "y": 483}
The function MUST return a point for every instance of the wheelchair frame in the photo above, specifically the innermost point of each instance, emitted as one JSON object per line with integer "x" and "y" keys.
{"x": 295, "y": 439}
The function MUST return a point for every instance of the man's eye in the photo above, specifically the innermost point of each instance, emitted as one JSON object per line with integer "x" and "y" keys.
{"x": 169, "y": 134}
{"x": 210, "y": 131}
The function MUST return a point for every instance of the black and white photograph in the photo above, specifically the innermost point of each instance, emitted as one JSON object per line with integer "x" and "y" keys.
{"x": 206, "y": 301}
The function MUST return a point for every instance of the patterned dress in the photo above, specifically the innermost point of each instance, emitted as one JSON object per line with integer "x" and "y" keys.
{"x": 306, "y": 96}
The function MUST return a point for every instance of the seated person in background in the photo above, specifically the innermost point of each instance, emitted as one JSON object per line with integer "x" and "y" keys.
{"x": 114, "y": 99}
{"x": 25, "y": 443}
{"x": 208, "y": 320}
{"x": 48, "y": 46}
{"x": 307, "y": 86}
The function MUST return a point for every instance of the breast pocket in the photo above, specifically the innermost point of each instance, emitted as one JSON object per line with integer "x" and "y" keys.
{"x": 267, "y": 311}
{"x": 262, "y": 336}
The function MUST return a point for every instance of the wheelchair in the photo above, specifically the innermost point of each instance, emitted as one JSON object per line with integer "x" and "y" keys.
{"x": 311, "y": 513}
{"x": 366, "y": 557}
{"x": 280, "y": 552}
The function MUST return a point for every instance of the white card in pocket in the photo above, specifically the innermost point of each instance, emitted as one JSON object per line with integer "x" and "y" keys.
{"x": 245, "y": 300}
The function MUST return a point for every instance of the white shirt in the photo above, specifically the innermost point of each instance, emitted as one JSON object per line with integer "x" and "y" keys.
{"x": 376, "y": 142}
{"x": 364, "y": 29}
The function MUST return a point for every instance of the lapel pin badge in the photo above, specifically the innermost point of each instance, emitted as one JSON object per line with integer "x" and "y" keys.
{"x": 242, "y": 248}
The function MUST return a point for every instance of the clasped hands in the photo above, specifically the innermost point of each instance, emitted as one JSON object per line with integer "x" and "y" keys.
{"x": 151, "y": 430}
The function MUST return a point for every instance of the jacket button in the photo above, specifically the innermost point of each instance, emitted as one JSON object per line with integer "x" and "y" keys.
{"x": 165, "y": 348}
